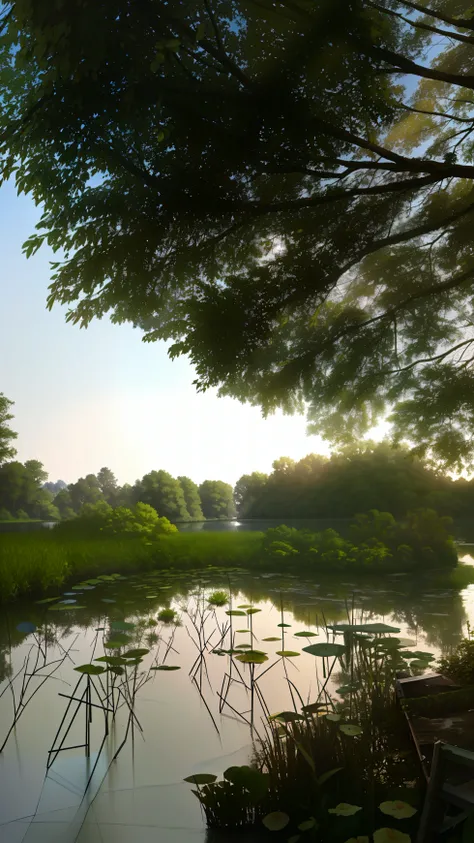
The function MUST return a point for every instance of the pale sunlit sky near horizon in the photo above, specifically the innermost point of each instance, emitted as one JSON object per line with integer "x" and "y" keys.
{"x": 86, "y": 399}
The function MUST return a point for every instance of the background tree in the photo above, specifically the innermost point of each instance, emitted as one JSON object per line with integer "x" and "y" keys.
{"x": 108, "y": 485}
{"x": 164, "y": 493}
{"x": 21, "y": 492}
{"x": 191, "y": 498}
{"x": 85, "y": 490}
{"x": 248, "y": 491}
{"x": 217, "y": 499}
{"x": 356, "y": 479}
{"x": 7, "y": 435}
{"x": 54, "y": 488}
{"x": 63, "y": 501}
{"x": 229, "y": 133}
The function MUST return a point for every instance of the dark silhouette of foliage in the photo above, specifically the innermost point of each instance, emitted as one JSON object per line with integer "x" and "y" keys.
{"x": 267, "y": 193}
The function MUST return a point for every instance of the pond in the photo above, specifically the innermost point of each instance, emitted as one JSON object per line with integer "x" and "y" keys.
{"x": 162, "y": 725}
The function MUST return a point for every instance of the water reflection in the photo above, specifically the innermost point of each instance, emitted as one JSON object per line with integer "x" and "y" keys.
{"x": 163, "y": 725}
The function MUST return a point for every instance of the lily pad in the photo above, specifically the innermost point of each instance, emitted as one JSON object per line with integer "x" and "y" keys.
{"x": 307, "y": 825}
{"x": 397, "y": 809}
{"x": 377, "y": 628}
{"x": 90, "y": 669}
{"x": 272, "y": 638}
{"x": 253, "y": 611}
{"x": 243, "y": 646}
{"x": 333, "y": 717}
{"x": 236, "y": 613}
{"x": 26, "y": 627}
{"x": 122, "y": 626}
{"x": 166, "y": 667}
{"x": 350, "y": 729}
{"x": 46, "y": 600}
{"x": 284, "y": 625}
{"x": 287, "y": 653}
{"x": 314, "y": 708}
{"x": 287, "y": 716}
{"x": 107, "y": 600}
{"x": 306, "y": 634}
{"x": 391, "y": 835}
{"x": 253, "y": 657}
{"x": 325, "y": 649}
{"x": 201, "y": 778}
{"x": 136, "y": 654}
{"x": 276, "y": 821}
{"x": 344, "y": 809}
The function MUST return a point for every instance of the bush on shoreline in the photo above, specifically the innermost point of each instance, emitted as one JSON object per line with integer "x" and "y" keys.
{"x": 376, "y": 542}
{"x": 104, "y": 539}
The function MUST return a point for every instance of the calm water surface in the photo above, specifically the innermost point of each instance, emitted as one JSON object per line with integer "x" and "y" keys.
{"x": 177, "y": 727}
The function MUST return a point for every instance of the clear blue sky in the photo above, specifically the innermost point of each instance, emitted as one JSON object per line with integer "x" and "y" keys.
{"x": 85, "y": 399}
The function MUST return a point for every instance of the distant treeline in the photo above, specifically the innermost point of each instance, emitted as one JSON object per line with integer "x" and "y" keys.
{"x": 24, "y": 493}
{"x": 358, "y": 479}
{"x": 372, "y": 476}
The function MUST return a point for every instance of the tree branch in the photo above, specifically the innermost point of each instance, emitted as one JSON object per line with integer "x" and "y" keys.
{"x": 456, "y": 36}
{"x": 408, "y": 66}
{"x": 463, "y": 23}
{"x": 428, "y": 359}
{"x": 390, "y": 314}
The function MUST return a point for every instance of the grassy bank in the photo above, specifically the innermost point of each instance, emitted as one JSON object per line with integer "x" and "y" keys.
{"x": 35, "y": 563}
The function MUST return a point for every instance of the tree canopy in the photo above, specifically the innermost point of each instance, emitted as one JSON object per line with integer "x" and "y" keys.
{"x": 7, "y": 435}
{"x": 217, "y": 499}
{"x": 357, "y": 479}
{"x": 284, "y": 188}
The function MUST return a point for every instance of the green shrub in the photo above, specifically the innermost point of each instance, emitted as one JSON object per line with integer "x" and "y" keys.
{"x": 5, "y": 515}
{"x": 460, "y": 664}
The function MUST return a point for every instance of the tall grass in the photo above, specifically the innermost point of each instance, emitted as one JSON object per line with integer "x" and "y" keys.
{"x": 38, "y": 562}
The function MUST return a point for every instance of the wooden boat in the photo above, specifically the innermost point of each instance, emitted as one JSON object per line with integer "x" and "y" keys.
{"x": 440, "y": 716}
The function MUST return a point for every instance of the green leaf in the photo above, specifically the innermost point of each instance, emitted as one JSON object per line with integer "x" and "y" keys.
{"x": 135, "y": 654}
{"x": 276, "y": 821}
{"x": 307, "y": 825}
{"x": 287, "y": 653}
{"x": 236, "y": 613}
{"x": 325, "y": 649}
{"x": 377, "y": 628}
{"x": 397, "y": 809}
{"x": 334, "y": 718}
{"x": 314, "y": 708}
{"x": 253, "y": 657}
{"x": 328, "y": 775}
{"x": 306, "y": 634}
{"x": 286, "y": 716}
{"x": 350, "y": 729}
{"x": 90, "y": 669}
{"x": 390, "y": 835}
{"x": 201, "y": 778}
{"x": 166, "y": 667}
{"x": 272, "y": 638}
{"x": 344, "y": 809}
{"x": 120, "y": 626}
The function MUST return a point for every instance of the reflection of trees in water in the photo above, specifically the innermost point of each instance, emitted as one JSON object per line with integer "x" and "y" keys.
{"x": 439, "y": 618}
{"x": 5, "y": 666}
